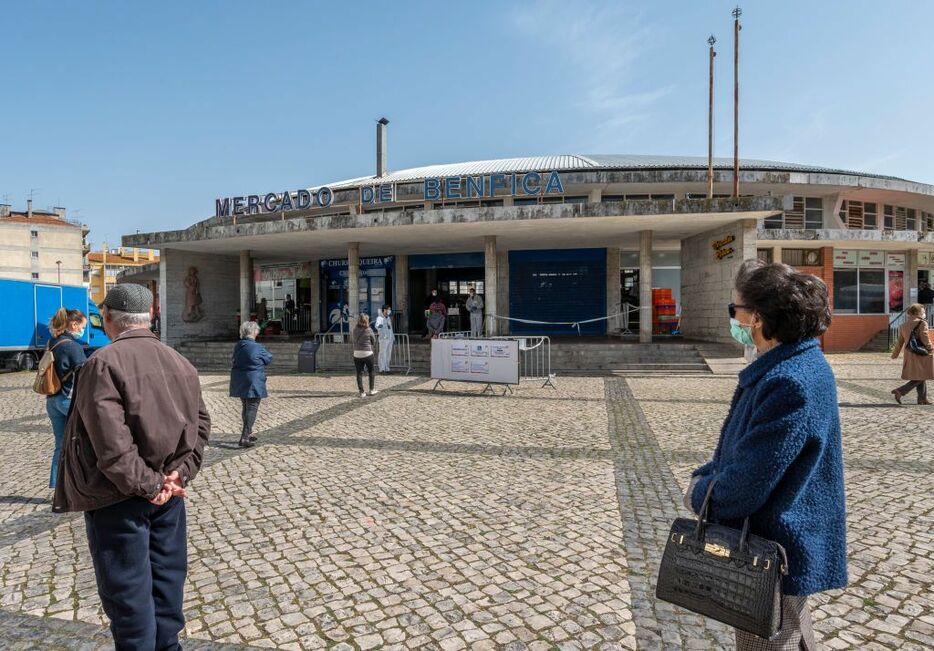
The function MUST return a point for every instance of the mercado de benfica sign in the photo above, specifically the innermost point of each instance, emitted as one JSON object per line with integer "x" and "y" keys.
{"x": 528, "y": 184}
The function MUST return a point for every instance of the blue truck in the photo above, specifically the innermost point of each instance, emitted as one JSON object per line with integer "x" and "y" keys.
{"x": 27, "y": 306}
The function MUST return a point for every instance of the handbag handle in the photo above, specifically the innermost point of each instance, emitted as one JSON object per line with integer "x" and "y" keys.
{"x": 702, "y": 519}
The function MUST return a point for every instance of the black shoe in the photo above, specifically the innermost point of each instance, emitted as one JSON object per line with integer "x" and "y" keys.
{"x": 253, "y": 439}
{"x": 898, "y": 396}
{"x": 246, "y": 443}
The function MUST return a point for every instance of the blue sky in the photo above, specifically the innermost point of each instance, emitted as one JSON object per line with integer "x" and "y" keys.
{"x": 138, "y": 115}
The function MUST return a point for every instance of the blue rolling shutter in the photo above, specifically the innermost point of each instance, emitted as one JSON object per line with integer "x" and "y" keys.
{"x": 557, "y": 285}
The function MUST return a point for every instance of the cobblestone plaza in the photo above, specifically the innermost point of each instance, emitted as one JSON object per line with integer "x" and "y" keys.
{"x": 454, "y": 520}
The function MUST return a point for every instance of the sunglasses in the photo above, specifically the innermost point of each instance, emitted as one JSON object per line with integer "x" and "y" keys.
{"x": 732, "y": 308}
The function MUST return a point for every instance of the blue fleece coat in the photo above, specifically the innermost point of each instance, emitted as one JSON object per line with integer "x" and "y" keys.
{"x": 780, "y": 462}
{"x": 248, "y": 370}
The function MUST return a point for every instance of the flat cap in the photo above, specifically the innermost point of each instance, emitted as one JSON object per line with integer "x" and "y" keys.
{"x": 129, "y": 297}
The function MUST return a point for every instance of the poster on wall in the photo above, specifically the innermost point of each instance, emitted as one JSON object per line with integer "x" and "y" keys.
{"x": 896, "y": 290}
{"x": 475, "y": 360}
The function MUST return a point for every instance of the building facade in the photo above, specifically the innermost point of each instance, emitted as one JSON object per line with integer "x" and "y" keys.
{"x": 43, "y": 246}
{"x": 560, "y": 245}
{"x": 106, "y": 266}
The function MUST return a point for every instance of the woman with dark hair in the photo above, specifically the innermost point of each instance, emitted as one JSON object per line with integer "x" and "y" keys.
{"x": 779, "y": 461}
{"x": 67, "y": 328}
{"x": 917, "y": 369}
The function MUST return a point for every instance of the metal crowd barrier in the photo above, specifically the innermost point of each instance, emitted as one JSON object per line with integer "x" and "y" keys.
{"x": 455, "y": 334}
{"x": 339, "y": 345}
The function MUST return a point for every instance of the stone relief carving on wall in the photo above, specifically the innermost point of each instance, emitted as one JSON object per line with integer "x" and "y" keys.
{"x": 193, "y": 311}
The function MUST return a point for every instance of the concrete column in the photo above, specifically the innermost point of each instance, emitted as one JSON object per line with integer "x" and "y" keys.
{"x": 645, "y": 287}
{"x": 613, "y": 289}
{"x": 489, "y": 283}
{"x": 353, "y": 281}
{"x": 401, "y": 292}
{"x": 776, "y": 253}
{"x": 911, "y": 278}
{"x": 246, "y": 285}
{"x": 163, "y": 300}
{"x": 314, "y": 280}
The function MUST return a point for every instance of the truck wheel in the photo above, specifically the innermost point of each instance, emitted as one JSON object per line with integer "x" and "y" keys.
{"x": 26, "y": 362}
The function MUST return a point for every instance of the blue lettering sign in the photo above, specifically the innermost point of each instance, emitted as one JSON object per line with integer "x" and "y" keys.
{"x": 538, "y": 183}
{"x": 452, "y": 188}
{"x": 432, "y": 189}
{"x": 303, "y": 200}
{"x": 385, "y": 193}
{"x": 252, "y": 204}
{"x": 512, "y": 183}
{"x": 554, "y": 181}
{"x": 496, "y": 181}
{"x": 286, "y": 203}
{"x": 474, "y": 186}
{"x": 237, "y": 206}
{"x": 270, "y": 203}
{"x": 366, "y": 194}
{"x": 324, "y": 197}
{"x": 222, "y": 207}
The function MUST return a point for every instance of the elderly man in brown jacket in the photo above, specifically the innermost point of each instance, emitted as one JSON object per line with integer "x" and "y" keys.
{"x": 135, "y": 438}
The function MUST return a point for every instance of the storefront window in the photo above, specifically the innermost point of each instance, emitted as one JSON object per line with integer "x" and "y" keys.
{"x": 868, "y": 282}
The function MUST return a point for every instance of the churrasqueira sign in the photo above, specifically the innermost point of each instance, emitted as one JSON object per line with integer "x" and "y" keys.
{"x": 529, "y": 184}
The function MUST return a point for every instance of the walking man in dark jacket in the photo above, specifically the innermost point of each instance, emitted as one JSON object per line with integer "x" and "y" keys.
{"x": 134, "y": 440}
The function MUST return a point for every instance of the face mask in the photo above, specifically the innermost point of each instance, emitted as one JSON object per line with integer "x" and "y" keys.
{"x": 79, "y": 334}
{"x": 742, "y": 334}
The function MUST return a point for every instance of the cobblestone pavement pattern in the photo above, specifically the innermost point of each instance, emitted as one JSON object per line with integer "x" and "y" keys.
{"x": 452, "y": 520}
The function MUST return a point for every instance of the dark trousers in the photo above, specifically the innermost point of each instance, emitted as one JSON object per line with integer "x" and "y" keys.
{"x": 250, "y": 409}
{"x": 368, "y": 364}
{"x": 921, "y": 385}
{"x": 140, "y": 559}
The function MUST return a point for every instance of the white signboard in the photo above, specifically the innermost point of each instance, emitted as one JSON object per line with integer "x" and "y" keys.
{"x": 871, "y": 259}
{"x": 895, "y": 260}
{"x": 845, "y": 258}
{"x": 489, "y": 361}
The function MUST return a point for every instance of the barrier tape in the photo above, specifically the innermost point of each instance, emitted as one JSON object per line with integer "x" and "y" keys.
{"x": 571, "y": 324}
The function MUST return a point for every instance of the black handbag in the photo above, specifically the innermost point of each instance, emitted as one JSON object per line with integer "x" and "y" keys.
{"x": 728, "y": 575}
{"x": 915, "y": 345}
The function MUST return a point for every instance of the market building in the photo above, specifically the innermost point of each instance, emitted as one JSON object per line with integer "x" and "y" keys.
{"x": 555, "y": 245}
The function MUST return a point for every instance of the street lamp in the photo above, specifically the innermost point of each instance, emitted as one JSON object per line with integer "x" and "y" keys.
{"x": 59, "y": 263}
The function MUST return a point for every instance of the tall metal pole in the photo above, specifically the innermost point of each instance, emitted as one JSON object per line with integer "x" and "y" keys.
{"x": 711, "y": 42}
{"x": 736, "y": 14}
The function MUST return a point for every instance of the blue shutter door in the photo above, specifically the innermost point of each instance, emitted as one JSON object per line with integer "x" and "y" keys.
{"x": 567, "y": 285}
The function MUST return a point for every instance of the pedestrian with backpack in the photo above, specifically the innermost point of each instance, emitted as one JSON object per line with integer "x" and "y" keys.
{"x": 56, "y": 377}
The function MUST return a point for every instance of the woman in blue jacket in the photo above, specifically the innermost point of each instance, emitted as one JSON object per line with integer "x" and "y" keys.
{"x": 67, "y": 328}
{"x": 248, "y": 378}
{"x": 779, "y": 460}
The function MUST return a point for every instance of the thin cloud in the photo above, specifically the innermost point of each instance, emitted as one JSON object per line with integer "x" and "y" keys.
{"x": 604, "y": 43}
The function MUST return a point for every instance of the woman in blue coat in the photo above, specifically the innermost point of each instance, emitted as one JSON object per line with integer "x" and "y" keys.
{"x": 779, "y": 460}
{"x": 248, "y": 378}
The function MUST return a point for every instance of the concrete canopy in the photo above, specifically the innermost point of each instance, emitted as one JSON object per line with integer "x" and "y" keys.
{"x": 460, "y": 229}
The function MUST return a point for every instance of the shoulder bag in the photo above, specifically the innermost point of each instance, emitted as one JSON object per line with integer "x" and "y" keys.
{"x": 47, "y": 382}
{"x": 729, "y": 575}
{"x": 914, "y": 342}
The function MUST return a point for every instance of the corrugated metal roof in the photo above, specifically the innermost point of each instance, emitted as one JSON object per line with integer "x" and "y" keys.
{"x": 582, "y": 162}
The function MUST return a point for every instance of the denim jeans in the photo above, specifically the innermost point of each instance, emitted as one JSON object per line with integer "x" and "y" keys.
{"x": 57, "y": 408}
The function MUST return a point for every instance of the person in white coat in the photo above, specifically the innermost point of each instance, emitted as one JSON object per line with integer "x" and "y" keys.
{"x": 474, "y": 306}
{"x": 386, "y": 337}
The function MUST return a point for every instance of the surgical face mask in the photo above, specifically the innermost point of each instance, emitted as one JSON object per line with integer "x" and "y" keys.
{"x": 741, "y": 333}
{"x": 79, "y": 333}
{"x": 388, "y": 312}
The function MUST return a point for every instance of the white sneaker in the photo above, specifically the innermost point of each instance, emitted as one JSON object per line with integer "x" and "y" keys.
{"x": 362, "y": 395}
{"x": 373, "y": 392}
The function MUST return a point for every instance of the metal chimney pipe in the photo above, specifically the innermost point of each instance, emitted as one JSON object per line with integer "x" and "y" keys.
{"x": 29, "y": 208}
{"x": 382, "y": 147}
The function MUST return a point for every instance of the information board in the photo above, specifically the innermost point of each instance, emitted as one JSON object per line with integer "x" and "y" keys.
{"x": 488, "y": 361}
